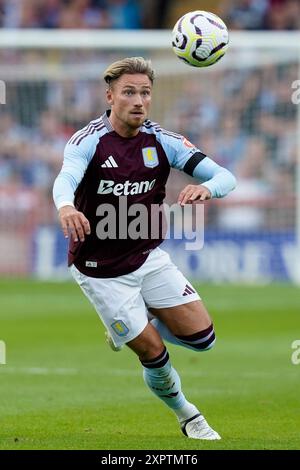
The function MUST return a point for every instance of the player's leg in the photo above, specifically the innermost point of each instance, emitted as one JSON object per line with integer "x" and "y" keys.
{"x": 164, "y": 381}
{"x": 187, "y": 325}
{"x": 179, "y": 314}
{"x": 122, "y": 310}
{"x": 181, "y": 318}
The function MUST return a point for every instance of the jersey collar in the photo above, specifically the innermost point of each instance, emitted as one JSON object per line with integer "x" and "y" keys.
{"x": 106, "y": 121}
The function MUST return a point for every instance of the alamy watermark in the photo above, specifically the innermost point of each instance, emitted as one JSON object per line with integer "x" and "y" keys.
{"x": 2, "y": 92}
{"x": 295, "y": 358}
{"x": 296, "y": 94}
{"x": 2, "y": 352}
{"x": 139, "y": 221}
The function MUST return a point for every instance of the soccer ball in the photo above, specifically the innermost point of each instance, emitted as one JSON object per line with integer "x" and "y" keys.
{"x": 200, "y": 38}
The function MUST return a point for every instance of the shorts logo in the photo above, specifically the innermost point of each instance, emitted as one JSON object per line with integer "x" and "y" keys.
{"x": 188, "y": 290}
{"x": 120, "y": 328}
{"x": 150, "y": 157}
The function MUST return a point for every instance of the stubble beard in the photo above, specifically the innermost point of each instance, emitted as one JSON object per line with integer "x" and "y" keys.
{"x": 134, "y": 126}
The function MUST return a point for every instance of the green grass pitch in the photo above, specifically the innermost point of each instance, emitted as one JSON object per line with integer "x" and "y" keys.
{"x": 63, "y": 388}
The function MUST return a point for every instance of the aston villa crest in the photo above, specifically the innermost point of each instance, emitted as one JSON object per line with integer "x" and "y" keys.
{"x": 150, "y": 157}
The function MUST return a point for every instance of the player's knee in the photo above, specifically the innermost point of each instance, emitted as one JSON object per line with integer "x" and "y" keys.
{"x": 149, "y": 348}
{"x": 200, "y": 341}
{"x": 157, "y": 361}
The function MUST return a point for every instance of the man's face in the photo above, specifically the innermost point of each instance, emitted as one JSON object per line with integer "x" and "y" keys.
{"x": 129, "y": 97}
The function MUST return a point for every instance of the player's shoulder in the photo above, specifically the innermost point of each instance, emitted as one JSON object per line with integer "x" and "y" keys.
{"x": 89, "y": 133}
{"x": 164, "y": 135}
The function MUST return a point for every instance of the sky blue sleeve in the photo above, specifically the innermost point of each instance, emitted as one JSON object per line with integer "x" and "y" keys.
{"x": 76, "y": 161}
{"x": 214, "y": 177}
{"x": 181, "y": 152}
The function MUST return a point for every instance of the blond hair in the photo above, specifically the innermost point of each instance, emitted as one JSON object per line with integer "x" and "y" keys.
{"x": 130, "y": 65}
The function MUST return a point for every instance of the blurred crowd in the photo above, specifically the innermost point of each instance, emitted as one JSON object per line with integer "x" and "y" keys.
{"x": 261, "y": 14}
{"x": 246, "y": 122}
{"x": 136, "y": 14}
{"x": 83, "y": 14}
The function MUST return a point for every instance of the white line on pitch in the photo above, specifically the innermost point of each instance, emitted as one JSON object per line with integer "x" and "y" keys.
{"x": 38, "y": 370}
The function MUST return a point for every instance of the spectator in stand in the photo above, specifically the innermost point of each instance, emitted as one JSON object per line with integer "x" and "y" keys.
{"x": 124, "y": 14}
{"x": 247, "y": 211}
{"x": 231, "y": 141}
{"x": 154, "y": 13}
{"x": 51, "y": 12}
{"x": 83, "y": 14}
{"x": 75, "y": 101}
{"x": 261, "y": 14}
{"x": 244, "y": 14}
{"x": 134, "y": 14}
{"x": 11, "y": 147}
{"x": 283, "y": 14}
{"x": 1, "y": 13}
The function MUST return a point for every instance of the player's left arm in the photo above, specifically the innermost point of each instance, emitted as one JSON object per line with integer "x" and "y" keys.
{"x": 215, "y": 181}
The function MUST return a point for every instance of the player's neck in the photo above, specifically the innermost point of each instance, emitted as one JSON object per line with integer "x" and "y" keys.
{"x": 122, "y": 129}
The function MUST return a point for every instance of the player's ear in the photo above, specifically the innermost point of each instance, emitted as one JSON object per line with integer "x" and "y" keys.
{"x": 109, "y": 96}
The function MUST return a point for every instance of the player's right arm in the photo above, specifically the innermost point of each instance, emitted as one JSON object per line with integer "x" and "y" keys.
{"x": 74, "y": 222}
{"x": 76, "y": 161}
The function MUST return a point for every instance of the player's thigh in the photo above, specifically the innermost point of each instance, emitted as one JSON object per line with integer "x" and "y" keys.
{"x": 185, "y": 319}
{"x": 171, "y": 297}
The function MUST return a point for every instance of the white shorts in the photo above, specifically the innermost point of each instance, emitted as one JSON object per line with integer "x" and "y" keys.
{"x": 122, "y": 302}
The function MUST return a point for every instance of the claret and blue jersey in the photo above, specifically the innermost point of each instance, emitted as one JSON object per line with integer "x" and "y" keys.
{"x": 100, "y": 166}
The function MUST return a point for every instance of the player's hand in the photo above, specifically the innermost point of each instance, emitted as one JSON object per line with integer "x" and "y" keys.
{"x": 192, "y": 193}
{"x": 74, "y": 222}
